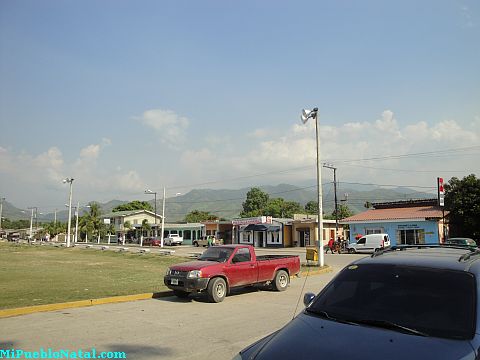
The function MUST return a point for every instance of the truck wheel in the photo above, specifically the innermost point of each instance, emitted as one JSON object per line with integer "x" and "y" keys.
{"x": 281, "y": 280}
{"x": 181, "y": 294}
{"x": 351, "y": 251}
{"x": 217, "y": 290}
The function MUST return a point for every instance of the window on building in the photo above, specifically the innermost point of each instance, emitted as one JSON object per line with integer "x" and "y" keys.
{"x": 135, "y": 222}
{"x": 246, "y": 236}
{"x": 374, "y": 231}
{"x": 411, "y": 236}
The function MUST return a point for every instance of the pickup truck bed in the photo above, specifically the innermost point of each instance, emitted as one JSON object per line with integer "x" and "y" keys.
{"x": 221, "y": 268}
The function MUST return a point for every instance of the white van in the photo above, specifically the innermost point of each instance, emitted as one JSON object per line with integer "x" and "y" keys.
{"x": 370, "y": 243}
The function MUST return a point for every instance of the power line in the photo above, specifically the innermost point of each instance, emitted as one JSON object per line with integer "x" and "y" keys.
{"x": 344, "y": 161}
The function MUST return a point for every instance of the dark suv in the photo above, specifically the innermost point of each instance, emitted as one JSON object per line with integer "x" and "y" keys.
{"x": 411, "y": 302}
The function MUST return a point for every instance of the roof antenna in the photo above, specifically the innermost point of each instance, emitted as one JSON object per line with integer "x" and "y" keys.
{"x": 301, "y": 291}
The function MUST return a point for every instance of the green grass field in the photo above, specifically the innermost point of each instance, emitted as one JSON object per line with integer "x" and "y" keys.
{"x": 37, "y": 275}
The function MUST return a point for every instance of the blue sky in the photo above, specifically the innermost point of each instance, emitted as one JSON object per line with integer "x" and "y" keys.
{"x": 129, "y": 95}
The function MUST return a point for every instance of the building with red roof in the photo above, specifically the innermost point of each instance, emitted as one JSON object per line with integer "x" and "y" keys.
{"x": 406, "y": 222}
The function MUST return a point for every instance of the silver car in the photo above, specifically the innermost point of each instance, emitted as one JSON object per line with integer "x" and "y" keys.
{"x": 401, "y": 303}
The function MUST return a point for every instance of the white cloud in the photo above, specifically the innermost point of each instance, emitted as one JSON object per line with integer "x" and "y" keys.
{"x": 170, "y": 127}
{"x": 259, "y": 133}
{"x": 355, "y": 140}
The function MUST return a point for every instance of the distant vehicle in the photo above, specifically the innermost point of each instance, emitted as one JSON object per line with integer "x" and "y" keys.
{"x": 203, "y": 241}
{"x": 152, "y": 241}
{"x": 221, "y": 268}
{"x": 370, "y": 243}
{"x": 173, "y": 239}
{"x": 407, "y": 302}
{"x": 460, "y": 241}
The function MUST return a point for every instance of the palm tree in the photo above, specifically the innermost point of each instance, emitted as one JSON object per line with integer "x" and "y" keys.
{"x": 127, "y": 226}
{"x": 94, "y": 218}
{"x": 145, "y": 227}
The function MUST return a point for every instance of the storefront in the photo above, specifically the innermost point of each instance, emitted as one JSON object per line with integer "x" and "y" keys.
{"x": 406, "y": 222}
{"x": 262, "y": 231}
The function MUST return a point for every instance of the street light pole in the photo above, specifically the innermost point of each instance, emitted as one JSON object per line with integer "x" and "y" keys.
{"x": 1, "y": 211}
{"x": 313, "y": 114}
{"x": 163, "y": 218}
{"x": 31, "y": 225}
{"x": 70, "y": 181}
{"x": 76, "y": 222}
{"x": 329, "y": 166}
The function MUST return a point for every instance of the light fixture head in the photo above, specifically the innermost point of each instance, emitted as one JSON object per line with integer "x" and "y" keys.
{"x": 309, "y": 114}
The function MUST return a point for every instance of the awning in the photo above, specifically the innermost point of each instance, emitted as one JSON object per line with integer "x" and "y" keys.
{"x": 262, "y": 227}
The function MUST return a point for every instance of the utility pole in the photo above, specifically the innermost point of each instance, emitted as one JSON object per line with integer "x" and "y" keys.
{"x": 31, "y": 222}
{"x": 330, "y": 166}
{"x": 1, "y": 212}
{"x": 70, "y": 181}
{"x": 306, "y": 115}
{"x": 163, "y": 218}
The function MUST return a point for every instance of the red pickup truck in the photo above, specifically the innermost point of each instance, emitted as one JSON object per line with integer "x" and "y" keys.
{"x": 221, "y": 268}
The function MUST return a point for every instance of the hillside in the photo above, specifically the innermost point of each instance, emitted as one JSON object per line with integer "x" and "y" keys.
{"x": 227, "y": 203}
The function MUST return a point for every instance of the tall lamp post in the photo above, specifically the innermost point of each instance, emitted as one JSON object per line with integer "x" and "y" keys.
{"x": 34, "y": 211}
{"x": 148, "y": 191}
{"x": 1, "y": 212}
{"x": 330, "y": 166}
{"x": 163, "y": 218}
{"x": 70, "y": 181}
{"x": 306, "y": 115}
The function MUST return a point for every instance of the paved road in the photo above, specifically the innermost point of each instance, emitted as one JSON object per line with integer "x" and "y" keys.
{"x": 167, "y": 328}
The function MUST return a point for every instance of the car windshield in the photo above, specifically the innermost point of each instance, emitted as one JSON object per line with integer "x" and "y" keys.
{"x": 423, "y": 301}
{"x": 220, "y": 254}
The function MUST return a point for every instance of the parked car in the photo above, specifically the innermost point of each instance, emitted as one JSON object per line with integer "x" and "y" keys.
{"x": 460, "y": 241}
{"x": 152, "y": 241}
{"x": 370, "y": 243}
{"x": 173, "y": 239}
{"x": 407, "y": 302}
{"x": 221, "y": 268}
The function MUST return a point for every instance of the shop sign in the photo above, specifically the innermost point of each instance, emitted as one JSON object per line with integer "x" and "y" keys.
{"x": 253, "y": 220}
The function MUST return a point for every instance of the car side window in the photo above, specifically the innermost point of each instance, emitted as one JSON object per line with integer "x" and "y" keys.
{"x": 361, "y": 241}
{"x": 242, "y": 255}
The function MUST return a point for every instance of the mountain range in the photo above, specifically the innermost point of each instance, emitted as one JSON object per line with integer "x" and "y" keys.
{"x": 227, "y": 203}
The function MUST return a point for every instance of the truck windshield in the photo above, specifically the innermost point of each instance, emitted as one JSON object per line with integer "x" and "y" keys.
{"x": 426, "y": 301}
{"x": 220, "y": 254}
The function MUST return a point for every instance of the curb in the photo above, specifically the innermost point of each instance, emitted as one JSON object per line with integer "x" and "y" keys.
{"x": 326, "y": 269}
{"x": 81, "y": 303}
{"x": 111, "y": 300}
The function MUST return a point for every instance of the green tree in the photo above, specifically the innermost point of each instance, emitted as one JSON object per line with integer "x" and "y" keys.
{"x": 255, "y": 203}
{"x": 145, "y": 229}
{"x": 91, "y": 222}
{"x": 198, "y": 216}
{"x": 462, "y": 199}
{"x": 278, "y": 207}
{"x": 15, "y": 224}
{"x": 343, "y": 212}
{"x": 134, "y": 205}
{"x": 53, "y": 228}
{"x": 311, "y": 207}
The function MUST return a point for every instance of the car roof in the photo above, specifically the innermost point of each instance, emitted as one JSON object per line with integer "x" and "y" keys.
{"x": 437, "y": 257}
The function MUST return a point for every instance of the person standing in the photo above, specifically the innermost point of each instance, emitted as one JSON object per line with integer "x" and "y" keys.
{"x": 330, "y": 246}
